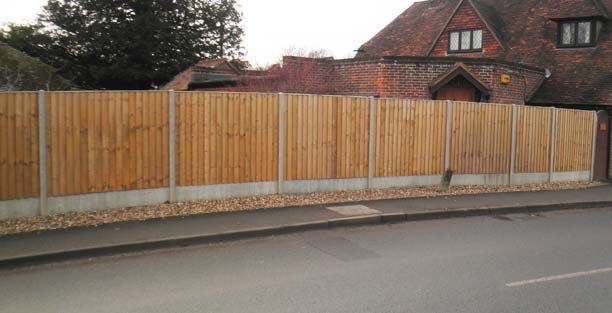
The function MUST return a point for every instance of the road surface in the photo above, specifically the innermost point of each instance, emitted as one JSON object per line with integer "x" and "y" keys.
{"x": 556, "y": 262}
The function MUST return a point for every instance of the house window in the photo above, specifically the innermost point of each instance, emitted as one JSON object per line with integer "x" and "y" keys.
{"x": 581, "y": 33}
{"x": 465, "y": 41}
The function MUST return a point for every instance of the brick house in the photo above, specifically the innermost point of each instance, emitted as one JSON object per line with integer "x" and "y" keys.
{"x": 535, "y": 52}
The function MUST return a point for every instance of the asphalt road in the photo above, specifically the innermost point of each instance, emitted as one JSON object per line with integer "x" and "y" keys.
{"x": 557, "y": 262}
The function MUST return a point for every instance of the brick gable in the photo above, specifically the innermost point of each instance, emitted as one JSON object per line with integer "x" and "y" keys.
{"x": 466, "y": 18}
{"x": 527, "y": 30}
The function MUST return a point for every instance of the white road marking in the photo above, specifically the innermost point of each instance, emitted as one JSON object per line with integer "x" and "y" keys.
{"x": 559, "y": 277}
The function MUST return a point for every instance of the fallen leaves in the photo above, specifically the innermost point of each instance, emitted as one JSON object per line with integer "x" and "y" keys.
{"x": 96, "y": 218}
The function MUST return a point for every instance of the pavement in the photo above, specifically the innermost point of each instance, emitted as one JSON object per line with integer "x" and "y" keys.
{"x": 558, "y": 261}
{"x": 59, "y": 245}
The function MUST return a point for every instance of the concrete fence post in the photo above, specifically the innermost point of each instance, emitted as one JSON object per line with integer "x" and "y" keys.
{"x": 371, "y": 145}
{"x": 512, "y": 145}
{"x": 172, "y": 145}
{"x": 42, "y": 154}
{"x": 553, "y": 144}
{"x": 594, "y": 145}
{"x": 281, "y": 140}
{"x": 447, "y": 149}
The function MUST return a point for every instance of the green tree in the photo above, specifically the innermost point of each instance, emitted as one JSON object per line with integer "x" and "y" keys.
{"x": 130, "y": 44}
{"x": 27, "y": 38}
{"x": 226, "y": 32}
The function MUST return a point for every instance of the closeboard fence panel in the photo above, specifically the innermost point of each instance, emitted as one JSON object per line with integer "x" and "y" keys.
{"x": 106, "y": 141}
{"x": 574, "y": 131}
{"x": 409, "y": 137}
{"x": 18, "y": 145}
{"x": 326, "y": 137}
{"x": 533, "y": 126}
{"x": 224, "y": 138}
{"x": 480, "y": 139}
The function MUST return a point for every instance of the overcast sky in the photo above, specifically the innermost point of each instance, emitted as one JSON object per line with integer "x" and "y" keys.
{"x": 271, "y": 26}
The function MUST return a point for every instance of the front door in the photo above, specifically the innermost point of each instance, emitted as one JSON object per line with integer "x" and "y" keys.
{"x": 458, "y": 89}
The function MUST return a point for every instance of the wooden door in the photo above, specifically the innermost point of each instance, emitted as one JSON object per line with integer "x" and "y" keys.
{"x": 459, "y": 89}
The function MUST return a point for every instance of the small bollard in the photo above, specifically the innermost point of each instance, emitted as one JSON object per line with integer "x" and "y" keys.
{"x": 446, "y": 180}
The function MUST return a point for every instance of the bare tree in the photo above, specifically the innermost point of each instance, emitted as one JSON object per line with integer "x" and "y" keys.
{"x": 305, "y": 52}
{"x": 11, "y": 79}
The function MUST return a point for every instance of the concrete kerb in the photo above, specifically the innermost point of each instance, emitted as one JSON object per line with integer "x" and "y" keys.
{"x": 387, "y": 218}
{"x": 355, "y": 221}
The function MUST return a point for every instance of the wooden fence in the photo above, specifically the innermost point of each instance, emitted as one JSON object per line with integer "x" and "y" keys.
{"x": 224, "y": 138}
{"x": 481, "y": 137}
{"x": 115, "y": 141}
{"x": 325, "y": 137}
{"x": 409, "y": 137}
{"x": 18, "y": 146}
{"x": 533, "y": 139}
{"x": 106, "y": 141}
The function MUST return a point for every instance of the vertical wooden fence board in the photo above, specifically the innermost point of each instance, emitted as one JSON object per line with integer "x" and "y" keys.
{"x": 274, "y": 135}
{"x": 226, "y": 138}
{"x": 32, "y": 125}
{"x": 573, "y": 141}
{"x": 326, "y": 137}
{"x": 533, "y": 140}
{"x": 262, "y": 143}
{"x": 4, "y": 149}
{"x": 480, "y": 138}
{"x": 211, "y": 110}
{"x": 288, "y": 138}
{"x": 18, "y": 145}
{"x": 96, "y": 144}
{"x": 409, "y": 137}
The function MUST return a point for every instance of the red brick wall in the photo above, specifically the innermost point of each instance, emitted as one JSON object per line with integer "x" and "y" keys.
{"x": 298, "y": 75}
{"x": 467, "y": 18}
{"x": 411, "y": 80}
{"x": 523, "y": 84}
{"x": 391, "y": 78}
{"x": 357, "y": 78}
{"x": 307, "y": 75}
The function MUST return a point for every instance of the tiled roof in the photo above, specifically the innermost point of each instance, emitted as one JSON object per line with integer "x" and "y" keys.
{"x": 578, "y": 8}
{"x": 526, "y": 30}
{"x": 183, "y": 79}
{"x": 420, "y": 23}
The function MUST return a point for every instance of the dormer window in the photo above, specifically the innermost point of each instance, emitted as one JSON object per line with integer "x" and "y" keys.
{"x": 465, "y": 41}
{"x": 577, "y": 33}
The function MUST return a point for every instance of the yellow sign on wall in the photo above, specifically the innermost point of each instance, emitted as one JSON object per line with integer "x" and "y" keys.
{"x": 504, "y": 79}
